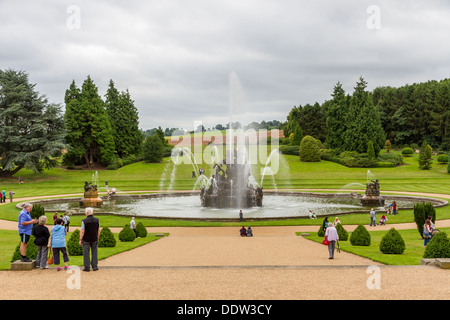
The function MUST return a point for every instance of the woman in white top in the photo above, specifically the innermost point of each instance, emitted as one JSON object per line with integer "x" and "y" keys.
{"x": 333, "y": 237}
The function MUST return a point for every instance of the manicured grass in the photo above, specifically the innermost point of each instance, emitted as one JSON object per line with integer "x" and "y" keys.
{"x": 411, "y": 256}
{"x": 10, "y": 239}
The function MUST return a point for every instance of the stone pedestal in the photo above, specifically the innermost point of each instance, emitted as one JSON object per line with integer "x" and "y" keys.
{"x": 91, "y": 199}
{"x": 23, "y": 266}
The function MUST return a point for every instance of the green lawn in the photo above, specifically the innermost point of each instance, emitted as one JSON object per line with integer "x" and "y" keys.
{"x": 413, "y": 253}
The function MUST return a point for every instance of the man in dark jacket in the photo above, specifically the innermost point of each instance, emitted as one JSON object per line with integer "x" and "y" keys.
{"x": 90, "y": 232}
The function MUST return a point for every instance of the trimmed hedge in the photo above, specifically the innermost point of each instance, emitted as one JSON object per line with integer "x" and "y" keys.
{"x": 360, "y": 237}
{"x": 127, "y": 234}
{"x": 438, "y": 247}
{"x": 73, "y": 245}
{"x": 392, "y": 243}
{"x": 141, "y": 231}
{"x": 421, "y": 212}
{"x": 31, "y": 251}
{"x": 309, "y": 150}
{"x": 342, "y": 233}
{"x": 106, "y": 239}
{"x": 407, "y": 152}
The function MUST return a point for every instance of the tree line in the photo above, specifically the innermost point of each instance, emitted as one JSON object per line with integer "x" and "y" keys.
{"x": 408, "y": 115}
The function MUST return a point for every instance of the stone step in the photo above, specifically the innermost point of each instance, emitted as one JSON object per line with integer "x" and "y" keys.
{"x": 443, "y": 263}
{"x": 22, "y": 266}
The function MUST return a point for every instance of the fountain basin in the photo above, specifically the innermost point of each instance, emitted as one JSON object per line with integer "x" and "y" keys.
{"x": 187, "y": 206}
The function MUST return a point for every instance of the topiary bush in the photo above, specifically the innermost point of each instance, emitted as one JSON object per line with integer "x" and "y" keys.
{"x": 442, "y": 158}
{"x": 127, "y": 234}
{"x": 342, "y": 233}
{"x": 407, "y": 152}
{"x": 309, "y": 150}
{"x": 31, "y": 251}
{"x": 106, "y": 239}
{"x": 392, "y": 243}
{"x": 438, "y": 247}
{"x": 360, "y": 237}
{"x": 141, "y": 231}
{"x": 73, "y": 245}
{"x": 321, "y": 232}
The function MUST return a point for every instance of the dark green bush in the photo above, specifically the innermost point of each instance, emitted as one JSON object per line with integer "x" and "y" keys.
{"x": 394, "y": 158}
{"x": 141, "y": 230}
{"x": 309, "y": 150}
{"x": 31, "y": 251}
{"x": 321, "y": 232}
{"x": 421, "y": 212}
{"x": 407, "y": 152}
{"x": 360, "y": 237}
{"x": 442, "y": 158}
{"x": 290, "y": 150}
{"x": 73, "y": 245}
{"x": 392, "y": 243}
{"x": 106, "y": 239}
{"x": 438, "y": 247}
{"x": 127, "y": 234}
{"x": 342, "y": 233}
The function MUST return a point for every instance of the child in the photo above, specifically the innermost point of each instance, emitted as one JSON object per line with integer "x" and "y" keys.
{"x": 59, "y": 243}
{"x": 41, "y": 234}
{"x": 383, "y": 220}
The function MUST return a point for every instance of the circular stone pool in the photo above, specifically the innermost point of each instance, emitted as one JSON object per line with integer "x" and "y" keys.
{"x": 281, "y": 205}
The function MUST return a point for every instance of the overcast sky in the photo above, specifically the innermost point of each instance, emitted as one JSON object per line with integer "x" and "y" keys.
{"x": 195, "y": 60}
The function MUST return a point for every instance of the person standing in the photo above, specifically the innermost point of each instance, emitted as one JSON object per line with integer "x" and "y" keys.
{"x": 25, "y": 227}
{"x": 4, "y": 196}
{"x": 66, "y": 220}
{"x": 133, "y": 226}
{"x": 11, "y": 195}
{"x": 373, "y": 217}
{"x": 241, "y": 216}
{"x": 333, "y": 238}
{"x": 42, "y": 235}
{"x": 59, "y": 244}
{"x": 90, "y": 232}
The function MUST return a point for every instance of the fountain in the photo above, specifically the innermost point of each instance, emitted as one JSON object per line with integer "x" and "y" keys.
{"x": 91, "y": 198}
{"x": 372, "y": 196}
{"x": 231, "y": 186}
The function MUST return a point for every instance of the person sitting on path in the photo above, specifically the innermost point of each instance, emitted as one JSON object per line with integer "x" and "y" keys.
{"x": 383, "y": 220}
{"x": 243, "y": 232}
{"x": 249, "y": 232}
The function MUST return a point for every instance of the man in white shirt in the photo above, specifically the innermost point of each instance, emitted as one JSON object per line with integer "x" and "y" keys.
{"x": 332, "y": 237}
{"x": 133, "y": 226}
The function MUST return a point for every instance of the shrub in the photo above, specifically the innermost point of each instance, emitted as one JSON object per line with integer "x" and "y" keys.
{"x": 141, "y": 230}
{"x": 309, "y": 150}
{"x": 370, "y": 150}
{"x": 127, "y": 234}
{"x": 396, "y": 159}
{"x": 321, "y": 232}
{"x": 421, "y": 212}
{"x": 342, "y": 233}
{"x": 106, "y": 239}
{"x": 425, "y": 160}
{"x": 392, "y": 243}
{"x": 442, "y": 158}
{"x": 360, "y": 237}
{"x": 291, "y": 150}
{"x": 31, "y": 251}
{"x": 438, "y": 247}
{"x": 73, "y": 245}
{"x": 387, "y": 146}
{"x": 448, "y": 167}
{"x": 407, "y": 152}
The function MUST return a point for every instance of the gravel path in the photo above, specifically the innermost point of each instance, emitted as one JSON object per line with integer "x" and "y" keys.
{"x": 216, "y": 263}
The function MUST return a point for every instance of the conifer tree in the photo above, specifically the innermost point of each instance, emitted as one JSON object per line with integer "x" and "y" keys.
{"x": 31, "y": 128}
{"x": 89, "y": 132}
{"x": 124, "y": 119}
{"x": 336, "y": 118}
